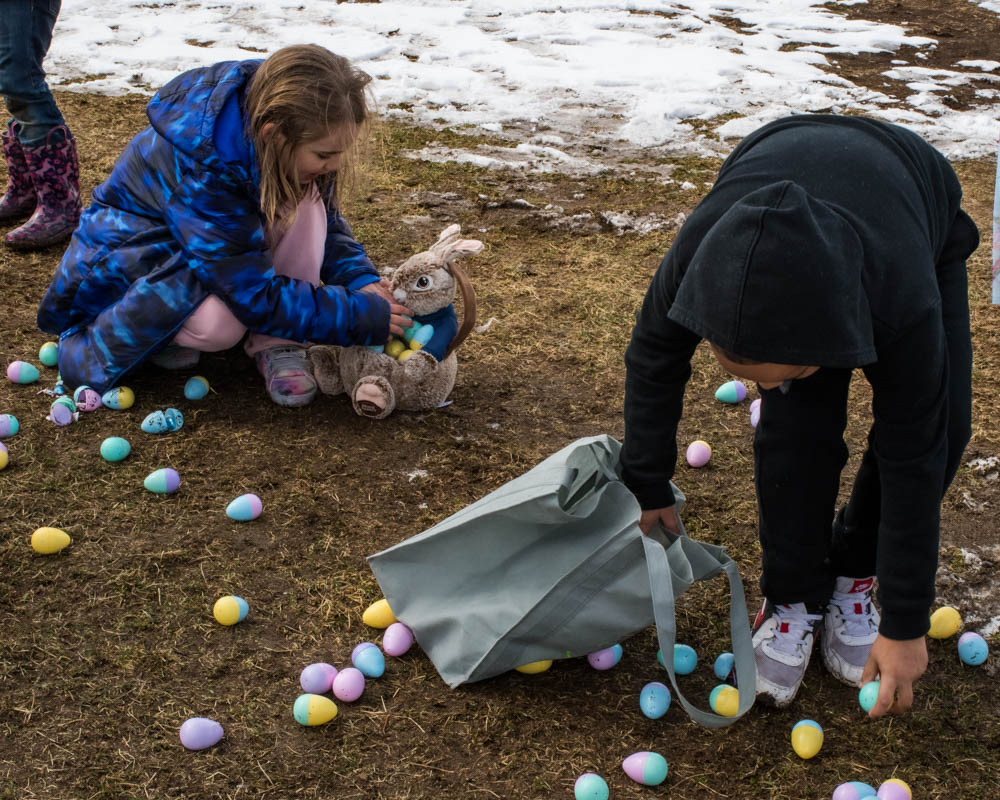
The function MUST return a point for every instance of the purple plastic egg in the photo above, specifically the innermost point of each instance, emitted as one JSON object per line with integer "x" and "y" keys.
{"x": 397, "y": 639}
{"x": 606, "y": 658}
{"x": 61, "y": 415}
{"x": 317, "y": 678}
{"x": 87, "y": 399}
{"x": 198, "y": 733}
{"x": 348, "y": 684}
{"x": 894, "y": 789}
{"x": 853, "y": 790}
{"x": 755, "y": 412}
{"x": 698, "y": 453}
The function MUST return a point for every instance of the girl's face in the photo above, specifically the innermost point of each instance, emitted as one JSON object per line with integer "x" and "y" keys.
{"x": 318, "y": 157}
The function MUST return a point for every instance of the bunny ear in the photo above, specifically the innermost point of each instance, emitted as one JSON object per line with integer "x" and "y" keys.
{"x": 463, "y": 247}
{"x": 449, "y": 232}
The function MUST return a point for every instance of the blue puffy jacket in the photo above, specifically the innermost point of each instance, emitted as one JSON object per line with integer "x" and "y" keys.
{"x": 179, "y": 220}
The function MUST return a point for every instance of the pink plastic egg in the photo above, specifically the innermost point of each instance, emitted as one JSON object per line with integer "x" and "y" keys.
{"x": 698, "y": 453}
{"x": 348, "y": 684}
{"x": 317, "y": 678}
{"x": 645, "y": 767}
{"x": 606, "y": 658}
{"x": 198, "y": 733}
{"x": 397, "y": 639}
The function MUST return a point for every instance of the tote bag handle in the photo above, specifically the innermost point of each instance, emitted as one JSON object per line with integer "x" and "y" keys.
{"x": 662, "y": 592}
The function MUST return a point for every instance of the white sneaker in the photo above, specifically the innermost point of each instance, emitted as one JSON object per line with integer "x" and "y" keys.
{"x": 782, "y": 644}
{"x": 850, "y": 628}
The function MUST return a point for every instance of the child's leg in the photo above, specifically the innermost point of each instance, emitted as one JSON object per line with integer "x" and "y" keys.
{"x": 210, "y": 328}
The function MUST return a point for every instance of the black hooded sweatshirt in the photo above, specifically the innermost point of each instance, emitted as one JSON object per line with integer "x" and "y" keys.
{"x": 817, "y": 246}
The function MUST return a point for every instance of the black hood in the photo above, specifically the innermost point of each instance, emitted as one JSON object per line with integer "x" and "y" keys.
{"x": 778, "y": 278}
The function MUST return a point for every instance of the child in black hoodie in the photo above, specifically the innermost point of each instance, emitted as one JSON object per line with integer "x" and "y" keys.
{"x": 826, "y": 244}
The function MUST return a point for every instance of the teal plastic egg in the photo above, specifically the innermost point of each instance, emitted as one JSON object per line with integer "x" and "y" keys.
{"x": 590, "y": 786}
{"x": 115, "y": 448}
{"x": 8, "y": 425}
{"x": 49, "y": 354}
{"x": 22, "y": 372}
{"x": 196, "y": 388}
{"x": 868, "y": 695}
{"x": 731, "y": 392}
{"x": 645, "y": 767}
{"x": 162, "y": 481}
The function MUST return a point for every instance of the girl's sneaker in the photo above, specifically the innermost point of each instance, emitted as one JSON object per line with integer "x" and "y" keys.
{"x": 287, "y": 374}
{"x": 782, "y": 644}
{"x": 850, "y": 628}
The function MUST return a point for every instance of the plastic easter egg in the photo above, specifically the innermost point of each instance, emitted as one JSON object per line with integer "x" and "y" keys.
{"x": 698, "y": 453}
{"x": 378, "y": 614}
{"x": 755, "y": 412}
{"x": 348, "y": 684}
{"x": 894, "y": 789}
{"x": 409, "y": 351}
{"x": 647, "y": 768}
{"x": 868, "y": 695}
{"x": 369, "y": 660}
{"x": 724, "y": 700}
{"x": 48, "y": 354}
{"x": 120, "y": 398}
{"x": 654, "y": 699}
{"x": 590, "y": 786}
{"x": 723, "y": 666}
{"x": 534, "y": 667}
{"x": 313, "y": 709}
{"x": 685, "y": 659}
{"x": 196, "y": 388}
{"x": 245, "y": 508}
{"x": 174, "y": 418}
{"x": 115, "y": 448}
{"x": 423, "y": 335}
{"x": 807, "y": 738}
{"x": 731, "y": 392}
{"x": 86, "y": 399}
{"x": 60, "y": 414}
{"x": 67, "y": 401}
{"x": 317, "y": 678}
{"x": 230, "y": 609}
{"x": 853, "y": 790}
{"x": 394, "y": 348}
{"x": 972, "y": 649}
{"x": 945, "y": 622}
{"x": 49, "y": 540}
{"x": 162, "y": 481}
{"x": 155, "y": 422}
{"x": 4, "y": 456}
{"x": 409, "y": 333}
{"x": 8, "y": 425}
{"x": 22, "y": 372}
{"x": 606, "y": 658}
{"x": 198, "y": 733}
{"x": 397, "y": 639}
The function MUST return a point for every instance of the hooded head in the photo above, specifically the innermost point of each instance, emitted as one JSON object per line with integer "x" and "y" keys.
{"x": 778, "y": 279}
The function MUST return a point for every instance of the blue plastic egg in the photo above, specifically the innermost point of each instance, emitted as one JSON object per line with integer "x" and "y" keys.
{"x": 685, "y": 659}
{"x": 853, "y": 790}
{"x": 49, "y": 354}
{"x": 196, "y": 388}
{"x": 120, "y": 398}
{"x": 369, "y": 660}
{"x": 422, "y": 336}
{"x": 723, "y": 666}
{"x": 245, "y": 508}
{"x": 115, "y": 448}
{"x": 163, "y": 421}
{"x": 8, "y": 425}
{"x": 972, "y": 649}
{"x": 590, "y": 786}
{"x": 654, "y": 699}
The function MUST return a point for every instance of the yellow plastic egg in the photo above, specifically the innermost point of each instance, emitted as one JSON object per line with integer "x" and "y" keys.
{"x": 725, "y": 700}
{"x": 807, "y": 738}
{"x": 230, "y": 609}
{"x": 534, "y": 667}
{"x": 314, "y": 709}
{"x": 395, "y": 347}
{"x": 945, "y": 622}
{"x": 378, "y": 614}
{"x": 4, "y": 456}
{"x": 406, "y": 354}
{"x": 49, "y": 540}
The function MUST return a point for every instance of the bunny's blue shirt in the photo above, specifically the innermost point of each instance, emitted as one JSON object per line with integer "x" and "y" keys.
{"x": 179, "y": 220}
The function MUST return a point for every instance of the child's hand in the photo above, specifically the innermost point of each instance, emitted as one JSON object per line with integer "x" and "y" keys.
{"x": 897, "y": 664}
{"x": 399, "y": 317}
{"x": 667, "y": 517}
{"x": 382, "y": 289}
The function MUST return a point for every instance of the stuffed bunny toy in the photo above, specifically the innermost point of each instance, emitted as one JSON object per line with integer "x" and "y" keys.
{"x": 424, "y": 376}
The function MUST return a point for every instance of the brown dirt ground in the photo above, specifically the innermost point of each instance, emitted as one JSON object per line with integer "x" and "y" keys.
{"x": 107, "y": 647}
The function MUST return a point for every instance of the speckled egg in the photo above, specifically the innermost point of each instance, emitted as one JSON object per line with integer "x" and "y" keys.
{"x": 86, "y": 399}
{"x": 245, "y": 508}
{"x": 120, "y": 398}
{"x": 317, "y": 678}
{"x": 654, "y": 699}
{"x": 348, "y": 684}
{"x": 698, "y": 453}
{"x": 606, "y": 658}
{"x": 397, "y": 639}
{"x": 22, "y": 372}
{"x": 378, "y": 614}
{"x": 645, "y": 767}
{"x": 196, "y": 388}
{"x": 8, "y": 425}
{"x": 313, "y": 709}
{"x": 731, "y": 392}
{"x": 49, "y": 540}
{"x": 807, "y": 738}
{"x": 368, "y": 658}
{"x": 162, "y": 481}
{"x": 590, "y": 786}
{"x": 198, "y": 733}
{"x": 230, "y": 609}
{"x": 972, "y": 649}
{"x": 115, "y": 448}
{"x": 48, "y": 354}
{"x": 868, "y": 695}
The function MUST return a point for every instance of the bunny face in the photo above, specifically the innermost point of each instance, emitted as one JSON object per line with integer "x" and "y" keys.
{"x": 423, "y": 284}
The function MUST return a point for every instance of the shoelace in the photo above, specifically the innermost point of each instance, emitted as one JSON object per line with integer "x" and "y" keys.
{"x": 798, "y": 624}
{"x": 855, "y": 624}
{"x": 280, "y": 359}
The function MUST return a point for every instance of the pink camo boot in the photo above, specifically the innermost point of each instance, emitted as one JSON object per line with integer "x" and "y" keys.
{"x": 19, "y": 199}
{"x": 55, "y": 173}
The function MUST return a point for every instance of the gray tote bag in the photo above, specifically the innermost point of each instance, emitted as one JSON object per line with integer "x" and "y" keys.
{"x": 553, "y": 565}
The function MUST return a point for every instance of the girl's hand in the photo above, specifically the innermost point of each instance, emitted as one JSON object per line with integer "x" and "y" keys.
{"x": 667, "y": 517}
{"x": 382, "y": 289}
{"x": 399, "y": 317}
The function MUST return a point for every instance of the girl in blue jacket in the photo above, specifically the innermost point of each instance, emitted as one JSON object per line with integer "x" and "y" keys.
{"x": 221, "y": 218}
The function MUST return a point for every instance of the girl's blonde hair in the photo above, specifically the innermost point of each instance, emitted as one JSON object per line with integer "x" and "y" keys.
{"x": 306, "y": 92}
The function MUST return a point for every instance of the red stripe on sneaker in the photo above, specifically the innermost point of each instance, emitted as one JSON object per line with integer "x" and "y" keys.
{"x": 783, "y": 628}
{"x": 858, "y": 609}
{"x": 862, "y": 585}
